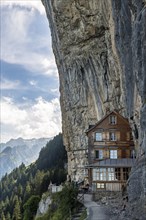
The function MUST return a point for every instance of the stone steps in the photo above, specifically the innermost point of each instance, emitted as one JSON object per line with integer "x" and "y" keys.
{"x": 78, "y": 214}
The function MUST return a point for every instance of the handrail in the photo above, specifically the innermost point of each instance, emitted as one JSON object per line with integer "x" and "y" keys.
{"x": 81, "y": 198}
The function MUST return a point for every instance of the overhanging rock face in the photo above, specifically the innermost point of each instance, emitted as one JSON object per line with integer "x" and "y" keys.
{"x": 100, "y": 51}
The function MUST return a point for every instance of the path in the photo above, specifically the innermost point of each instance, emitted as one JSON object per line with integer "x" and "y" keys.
{"x": 94, "y": 211}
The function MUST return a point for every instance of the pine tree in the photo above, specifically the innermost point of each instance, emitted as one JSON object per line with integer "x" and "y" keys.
{"x": 30, "y": 207}
{"x": 7, "y": 200}
{"x": 1, "y": 206}
{"x": 27, "y": 191}
{"x": 38, "y": 180}
{"x": 20, "y": 190}
{"x": 8, "y": 216}
{"x": 3, "y": 216}
{"x": 17, "y": 212}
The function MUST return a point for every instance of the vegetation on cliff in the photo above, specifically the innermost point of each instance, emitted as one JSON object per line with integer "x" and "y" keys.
{"x": 18, "y": 188}
{"x": 64, "y": 204}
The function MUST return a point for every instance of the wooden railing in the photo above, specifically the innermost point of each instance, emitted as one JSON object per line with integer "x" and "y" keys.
{"x": 81, "y": 197}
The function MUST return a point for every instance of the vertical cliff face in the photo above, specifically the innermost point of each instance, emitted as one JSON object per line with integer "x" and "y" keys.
{"x": 100, "y": 50}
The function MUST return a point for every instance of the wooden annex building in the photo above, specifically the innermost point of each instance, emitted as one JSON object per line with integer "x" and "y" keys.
{"x": 110, "y": 153}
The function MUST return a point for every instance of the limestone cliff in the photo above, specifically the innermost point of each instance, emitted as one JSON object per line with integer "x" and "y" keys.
{"x": 100, "y": 50}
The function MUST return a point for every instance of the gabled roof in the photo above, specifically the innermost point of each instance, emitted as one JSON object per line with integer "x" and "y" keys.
{"x": 107, "y": 115}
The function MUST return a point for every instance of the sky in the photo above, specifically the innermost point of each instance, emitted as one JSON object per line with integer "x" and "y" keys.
{"x": 29, "y": 88}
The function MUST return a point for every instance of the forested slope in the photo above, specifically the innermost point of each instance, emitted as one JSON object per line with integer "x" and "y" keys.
{"x": 29, "y": 182}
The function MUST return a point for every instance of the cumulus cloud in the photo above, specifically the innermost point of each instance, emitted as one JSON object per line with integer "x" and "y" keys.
{"x": 33, "y": 4}
{"x": 49, "y": 67}
{"x": 22, "y": 43}
{"x": 42, "y": 119}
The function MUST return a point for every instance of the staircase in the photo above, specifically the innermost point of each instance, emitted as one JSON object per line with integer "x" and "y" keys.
{"x": 77, "y": 216}
{"x": 81, "y": 209}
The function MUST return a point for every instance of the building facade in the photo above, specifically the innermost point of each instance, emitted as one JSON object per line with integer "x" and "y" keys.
{"x": 110, "y": 153}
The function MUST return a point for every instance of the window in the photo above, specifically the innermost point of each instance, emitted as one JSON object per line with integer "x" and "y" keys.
{"x": 100, "y": 186}
{"x": 114, "y": 174}
{"x": 118, "y": 173}
{"x": 103, "y": 174}
{"x": 108, "y": 174}
{"x": 95, "y": 175}
{"x": 112, "y": 136}
{"x": 112, "y": 119}
{"x": 98, "y": 136}
{"x": 126, "y": 172}
{"x": 113, "y": 154}
{"x": 111, "y": 174}
{"x": 99, "y": 154}
{"x": 99, "y": 174}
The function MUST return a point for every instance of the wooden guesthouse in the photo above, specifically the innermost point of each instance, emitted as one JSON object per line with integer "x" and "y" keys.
{"x": 110, "y": 153}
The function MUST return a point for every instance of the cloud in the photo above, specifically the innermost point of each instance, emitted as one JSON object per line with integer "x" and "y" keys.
{"x": 33, "y": 82}
{"x": 42, "y": 119}
{"x": 49, "y": 66}
{"x": 33, "y": 4}
{"x": 26, "y": 51}
{"x": 24, "y": 98}
{"x": 54, "y": 90}
{"x": 8, "y": 85}
{"x": 25, "y": 37}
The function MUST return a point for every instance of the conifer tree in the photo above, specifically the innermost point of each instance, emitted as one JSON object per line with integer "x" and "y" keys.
{"x": 1, "y": 206}
{"x": 27, "y": 191}
{"x": 7, "y": 200}
{"x": 8, "y": 216}
{"x": 20, "y": 190}
{"x": 3, "y": 216}
{"x": 17, "y": 212}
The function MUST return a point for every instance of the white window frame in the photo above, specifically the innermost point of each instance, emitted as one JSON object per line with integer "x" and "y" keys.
{"x": 113, "y": 119}
{"x": 100, "y": 185}
{"x": 113, "y": 154}
{"x": 95, "y": 175}
{"x": 99, "y": 174}
{"x": 98, "y": 136}
{"x": 111, "y": 174}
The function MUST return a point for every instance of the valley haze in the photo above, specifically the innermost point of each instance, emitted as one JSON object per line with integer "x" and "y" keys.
{"x": 18, "y": 151}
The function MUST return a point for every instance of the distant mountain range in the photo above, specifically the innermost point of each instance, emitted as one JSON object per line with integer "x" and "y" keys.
{"x": 18, "y": 151}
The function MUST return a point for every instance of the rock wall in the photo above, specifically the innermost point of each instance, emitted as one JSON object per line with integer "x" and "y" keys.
{"x": 43, "y": 206}
{"x": 100, "y": 50}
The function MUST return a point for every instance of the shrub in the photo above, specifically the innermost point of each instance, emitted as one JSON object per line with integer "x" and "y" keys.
{"x": 30, "y": 207}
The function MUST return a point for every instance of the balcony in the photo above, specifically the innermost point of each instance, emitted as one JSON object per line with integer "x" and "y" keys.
{"x": 120, "y": 162}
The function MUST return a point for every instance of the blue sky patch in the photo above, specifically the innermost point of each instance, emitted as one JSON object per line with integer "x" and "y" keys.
{"x": 29, "y": 77}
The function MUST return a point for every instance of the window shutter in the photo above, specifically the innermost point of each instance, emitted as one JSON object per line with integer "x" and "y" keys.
{"x": 118, "y": 135}
{"x": 107, "y": 136}
{"x": 107, "y": 154}
{"x": 128, "y": 136}
{"x": 119, "y": 153}
{"x": 128, "y": 154}
{"x": 103, "y": 136}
